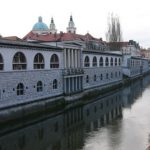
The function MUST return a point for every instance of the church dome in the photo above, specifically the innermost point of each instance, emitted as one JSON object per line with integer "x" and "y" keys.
{"x": 40, "y": 26}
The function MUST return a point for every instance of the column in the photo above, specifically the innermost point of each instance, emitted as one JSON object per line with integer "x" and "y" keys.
{"x": 65, "y": 58}
{"x": 72, "y": 58}
{"x": 76, "y": 58}
{"x": 68, "y": 58}
{"x": 68, "y": 85}
{"x": 74, "y": 83}
{"x": 79, "y": 59}
{"x": 77, "y": 84}
{"x": 81, "y": 78}
{"x": 64, "y": 85}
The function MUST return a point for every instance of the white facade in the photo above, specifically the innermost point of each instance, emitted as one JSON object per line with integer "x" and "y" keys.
{"x": 23, "y": 81}
{"x": 101, "y": 73}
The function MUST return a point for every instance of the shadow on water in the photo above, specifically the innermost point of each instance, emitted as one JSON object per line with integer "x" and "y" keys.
{"x": 70, "y": 129}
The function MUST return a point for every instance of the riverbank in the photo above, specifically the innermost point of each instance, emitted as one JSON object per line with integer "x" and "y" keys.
{"x": 41, "y": 107}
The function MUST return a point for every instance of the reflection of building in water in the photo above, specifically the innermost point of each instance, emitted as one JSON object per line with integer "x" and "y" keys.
{"x": 134, "y": 90}
{"x": 65, "y": 131}
{"x": 102, "y": 111}
{"x": 73, "y": 128}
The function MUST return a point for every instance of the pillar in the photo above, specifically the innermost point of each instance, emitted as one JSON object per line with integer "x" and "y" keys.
{"x": 72, "y": 58}
{"x": 65, "y": 58}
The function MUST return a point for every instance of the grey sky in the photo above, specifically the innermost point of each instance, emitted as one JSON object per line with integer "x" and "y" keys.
{"x": 18, "y": 16}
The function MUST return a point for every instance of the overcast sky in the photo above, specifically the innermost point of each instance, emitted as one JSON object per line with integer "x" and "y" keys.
{"x": 18, "y": 16}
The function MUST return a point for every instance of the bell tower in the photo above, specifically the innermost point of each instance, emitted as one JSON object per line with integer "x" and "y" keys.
{"x": 71, "y": 26}
{"x": 52, "y": 27}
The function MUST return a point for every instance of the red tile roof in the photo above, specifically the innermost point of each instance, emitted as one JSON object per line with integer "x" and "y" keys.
{"x": 60, "y": 37}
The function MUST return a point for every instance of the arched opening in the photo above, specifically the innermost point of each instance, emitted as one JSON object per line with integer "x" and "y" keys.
{"x": 87, "y": 79}
{"x": 1, "y": 62}
{"x": 115, "y": 61}
{"x": 19, "y": 61}
{"x": 111, "y": 61}
{"x": 54, "y": 61}
{"x": 95, "y": 77}
{"x": 94, "y": 61}
{"x": 101, "y": 76}
{"x": 106, "y": 62}
{"x": 55, "y": 84}
{"x": 20, "y": 89}
{"x": 38, "y": 61}
{"x": 86, "y": 62}
{"x": 39, "y": 86}
{"x": 101, "y": 63}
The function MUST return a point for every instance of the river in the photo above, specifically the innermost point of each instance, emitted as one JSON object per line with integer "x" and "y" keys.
{"x": 119, "y": 120}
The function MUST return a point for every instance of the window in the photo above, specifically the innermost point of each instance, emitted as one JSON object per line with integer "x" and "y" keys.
{"x": 119, "y": 73}
{"x": 106, "y": 62}
{"x": 1, "y": 62}
{"x": 94, "y": 61}
{"x": 54, "y": 61}
{"x": 115, "y": 61}
{"x": 39, "y": 86}
{"x": 95, "y": 77}
{"x": 38, "y": 61}
{"x": 107, "y": 75}
{"x": 20, "y": 89}
{"x": 101, "y": 76}
{"x": 111, "y": 75}
{"x": 19, "y": 61}
{"x": 86, "y": 62}
{"x": 111, "y": 61}
{"x": 87, "y": 79}
{"x": 55, "y": 84}
{"x": 101, "y": 61}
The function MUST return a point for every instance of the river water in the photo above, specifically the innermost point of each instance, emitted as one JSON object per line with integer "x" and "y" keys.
{"x": 119, "y": 120}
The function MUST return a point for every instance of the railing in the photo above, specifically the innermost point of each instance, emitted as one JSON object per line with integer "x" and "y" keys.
{"x": 73, "y": 71}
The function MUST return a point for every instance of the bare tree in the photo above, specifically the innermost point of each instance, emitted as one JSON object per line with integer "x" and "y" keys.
{"x": 114, "y": 33}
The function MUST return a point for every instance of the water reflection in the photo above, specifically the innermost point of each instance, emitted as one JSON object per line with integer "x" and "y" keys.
{"x": 95, "y": 125}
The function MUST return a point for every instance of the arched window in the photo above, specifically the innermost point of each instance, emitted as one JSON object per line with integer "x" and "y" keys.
{"x": 106, "y": 62}
{"x": 101, "y": 76}
{"x": 20, "y": 89}
{"x": 55, "y": 84}
{"x": 39, "y": 86}
{"x": 115, "y": 61}
{"x": 54, "y": 61}
{"x": 107, "y": 75}
{"x": 111, "y": 75}
{"x": 95, "y": 77}
{"x": 87, "y": 79}
{"x": 111, "y": 61}
{"x": 1, "y": 62}
{"x": 38, "y": 61}
{"x": 19, "y": 61}
{"x": 119, "y": 62}
{"x": 94, "y": 61}
{"x": 101, "y": 61}
{"x": 86, "y": 62}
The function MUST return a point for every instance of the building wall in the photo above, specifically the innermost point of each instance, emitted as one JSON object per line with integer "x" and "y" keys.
{"x": 101, "y": 75}
{"x": 145, "y": 65}
{"x": 9, "y": 78}
{"x": 8, "y": 54}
